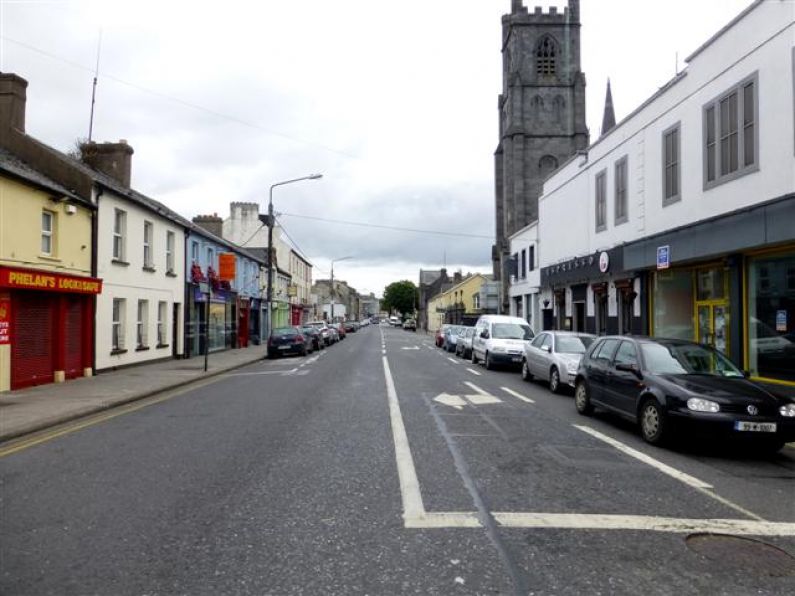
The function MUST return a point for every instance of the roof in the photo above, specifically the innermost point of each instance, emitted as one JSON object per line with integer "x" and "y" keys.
{"x": 12, "y": 165}
{"x": 723, "y": 30}
{"x": 428, "y": 276}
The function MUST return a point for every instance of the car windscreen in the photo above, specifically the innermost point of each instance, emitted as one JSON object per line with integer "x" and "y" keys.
{"x": 285, "y": 331}
{"x": 683, "y": 359}
{"x": 572, "y": 344}
{"x": 512, "y": 331}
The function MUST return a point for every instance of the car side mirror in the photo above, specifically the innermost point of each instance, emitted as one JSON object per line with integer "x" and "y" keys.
{"x": 484, "y": 334}
{"x": 747, "y": 374}
{"x": 633, "y": 368}
{"x": 547, "y": 349}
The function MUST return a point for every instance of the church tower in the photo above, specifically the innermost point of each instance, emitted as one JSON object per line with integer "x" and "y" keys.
{"x": 541, "y": 115}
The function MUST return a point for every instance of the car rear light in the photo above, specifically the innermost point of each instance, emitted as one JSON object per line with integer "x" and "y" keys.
{"x": 299, "y": 339}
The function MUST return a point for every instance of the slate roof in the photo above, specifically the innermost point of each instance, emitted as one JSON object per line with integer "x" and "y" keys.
{"x": 15, "y": 167}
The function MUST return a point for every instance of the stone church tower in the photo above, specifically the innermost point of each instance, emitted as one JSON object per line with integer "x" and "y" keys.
{"x": 542, "y": 115}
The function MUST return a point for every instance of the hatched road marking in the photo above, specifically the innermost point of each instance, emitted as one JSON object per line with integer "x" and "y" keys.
{"x": 517, "y": 395}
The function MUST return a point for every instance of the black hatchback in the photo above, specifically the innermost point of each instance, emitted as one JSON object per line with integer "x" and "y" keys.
{"x": 288, "y": 340}
{"x": 670, "y": 385}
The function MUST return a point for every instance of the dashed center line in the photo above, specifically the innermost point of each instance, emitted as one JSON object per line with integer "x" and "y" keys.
{"x": 474, "y": 372}
{"x": 453, "y": 360}
{"x": 518, "y": 395}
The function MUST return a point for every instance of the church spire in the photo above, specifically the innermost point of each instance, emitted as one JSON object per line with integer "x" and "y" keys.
{"x": 609, "y": 117}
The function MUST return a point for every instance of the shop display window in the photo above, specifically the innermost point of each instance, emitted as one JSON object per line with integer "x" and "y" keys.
{"x": 771, "y": 317}
{"x": 673, "y": 304}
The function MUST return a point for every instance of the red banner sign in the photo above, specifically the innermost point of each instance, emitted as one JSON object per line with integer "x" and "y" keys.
{"x": 226, "y": 266}
{"x": 33, "y": 279}
{"x": 5, "y": 319}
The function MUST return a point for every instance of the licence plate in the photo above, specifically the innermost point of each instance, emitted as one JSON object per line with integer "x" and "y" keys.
{"x": 516, "y": 359}
{"x": 284, "y": 347}
{"x": 757, "y": 427}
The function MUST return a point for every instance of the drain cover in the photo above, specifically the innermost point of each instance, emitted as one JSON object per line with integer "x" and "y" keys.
{"x": 743, "y": 553}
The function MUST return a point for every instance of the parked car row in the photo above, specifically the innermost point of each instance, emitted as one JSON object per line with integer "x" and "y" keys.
{"x": 667, "y": 387}
{"x": 305, "y": 339}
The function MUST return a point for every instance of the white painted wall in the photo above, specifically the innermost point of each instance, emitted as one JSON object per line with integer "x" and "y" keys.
{"x": 132, "y": 283}
{"x": 760, "y": 42}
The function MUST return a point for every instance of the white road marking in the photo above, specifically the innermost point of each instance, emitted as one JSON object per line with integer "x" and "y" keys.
{"x": 480, "y": 399}
{"x": 407, "y": 474}
{"x": 263, "y": 372}
{"x": 453, "y": 360}
{"x": 517, "y": 395}
{"x": 454, "y": 401}
{"x": 476, "y": 388}
{"x": 383, "y": 351}
{"x": 646, "y": 459}
{"x": 474, "y": 372}
{"x": 430, "y": 347}
{"x": 411, "y": 348}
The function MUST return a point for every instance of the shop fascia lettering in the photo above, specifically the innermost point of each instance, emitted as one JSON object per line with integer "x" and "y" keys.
{"x": 31, "y": 280}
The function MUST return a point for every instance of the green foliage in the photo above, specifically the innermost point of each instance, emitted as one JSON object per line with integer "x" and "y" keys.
{"x": 401, "y": 296}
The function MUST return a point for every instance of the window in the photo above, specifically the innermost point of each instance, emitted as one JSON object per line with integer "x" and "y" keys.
{"x": 119, "y": 234}
{"x": 210, "y": 257}
{"x": 671, "y": 165}
{"x": 162, "y": 318}
{"x": 47, "y": 229}
{"x": 117, "y": 333}
{"x": 148, "y": 232}
{"x": 731, "y": 134}
{"x": 626, "y": 354}
{"x": 621, "y": 190}
{"x": 142, "y": 325}
{"x": 476, "y": 301}
{"x": 536, "y": 343}
{"x": 531, "y": 257}
{"x": 194, "y": 252}
{"x": 605, "y": 351}
{"x": 545, "y": 57}
{"x": 601, "y": 201}
{"x": 170, "y": 252}
{"x": 524, "y": 264}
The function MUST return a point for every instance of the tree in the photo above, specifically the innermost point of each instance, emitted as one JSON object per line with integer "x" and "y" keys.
{"x": 401, "y": 296}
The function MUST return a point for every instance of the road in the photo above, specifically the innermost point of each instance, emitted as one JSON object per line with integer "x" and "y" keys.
{"x": 385, "y": 466}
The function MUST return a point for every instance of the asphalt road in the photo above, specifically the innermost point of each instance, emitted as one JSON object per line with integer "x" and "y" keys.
{"x": 386, "y": 466}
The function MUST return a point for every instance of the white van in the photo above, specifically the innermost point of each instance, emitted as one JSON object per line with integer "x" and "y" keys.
{"x": 500, "y": 339}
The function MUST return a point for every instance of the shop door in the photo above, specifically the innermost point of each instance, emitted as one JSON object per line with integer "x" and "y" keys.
{"x": 74, "y": 337}
{"x": 32, "y": 353}
{"x": 242, "y": 328}
{"x": 713, "y": 325}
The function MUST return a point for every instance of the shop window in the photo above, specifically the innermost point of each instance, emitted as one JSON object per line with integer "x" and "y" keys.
{"x": 731, "y": 134}
{"x": 771, "y": 317}
{"x": 117, "y": 331}
{"x": 673, "y": 304}
{"x": 711, "y": 284}
{"x": 142, "y": 325}
{"x": 119, "y": 235}
{"x": 148, "y": 239}
{"x": 47, "y": 233}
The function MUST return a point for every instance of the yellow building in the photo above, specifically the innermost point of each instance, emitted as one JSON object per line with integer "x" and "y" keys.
{"x": 459, "y": 305}
{"x": 46, "y": 288}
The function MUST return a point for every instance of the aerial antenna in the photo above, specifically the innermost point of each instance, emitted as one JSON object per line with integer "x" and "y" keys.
{"x": 94, "y": 90}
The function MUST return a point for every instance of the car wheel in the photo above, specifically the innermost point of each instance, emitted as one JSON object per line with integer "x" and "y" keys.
{"x": 474, "y": 358}
{"x": 554, "y": 380}
{"x": 526, "y": 374}
{"x": 304, "y": 352}
{"x": 487, "y": 362}
{"x": 653, "y": 425}
{"x": 582, "y": 399}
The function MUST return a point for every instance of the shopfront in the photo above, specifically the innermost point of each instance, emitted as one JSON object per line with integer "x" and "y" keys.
{"x": 47, "y": 323}
{"x": 221, "y": 332}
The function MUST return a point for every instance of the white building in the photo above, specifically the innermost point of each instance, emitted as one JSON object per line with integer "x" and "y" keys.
{"x": 526, "y": 276}
{"x": 680, "y": 220}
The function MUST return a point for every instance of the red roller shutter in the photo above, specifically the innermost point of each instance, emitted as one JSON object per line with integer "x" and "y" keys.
{"x": 33, "y": 317}
{"x": 74, "y": 337}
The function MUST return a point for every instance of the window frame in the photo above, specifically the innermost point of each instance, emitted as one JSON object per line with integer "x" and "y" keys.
{"x": 712, "y": 119}
{"x": 171, "y": 243}
{"x": 195, "y": 252}
{"x": 621, "y": 173}
{"x": 600, "y": 196}
{"x": 162, "y": 324}
{"x": 142, "y": 325}
{"x": 117, "y": 338}
{"x": 523, "y": 273}
{"x": 119, "y": 234}
{"x": 674, "y": 165}
{"x": 149, "y": 237}
{"x": 531, "y": 257}
{"x": 48, "y": 234}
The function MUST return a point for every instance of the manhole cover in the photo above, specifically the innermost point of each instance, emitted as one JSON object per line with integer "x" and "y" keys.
{"x": 744, "y": 553}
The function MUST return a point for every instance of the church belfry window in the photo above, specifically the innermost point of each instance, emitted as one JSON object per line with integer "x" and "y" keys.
{"x": 546, "y": 53}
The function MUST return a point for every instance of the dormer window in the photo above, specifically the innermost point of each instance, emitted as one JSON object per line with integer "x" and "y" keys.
{"x": 546, "y": 53}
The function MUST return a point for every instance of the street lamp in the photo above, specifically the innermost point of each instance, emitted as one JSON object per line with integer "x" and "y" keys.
{"x": 269, "y": 291}
{"x": 332, "y": 283}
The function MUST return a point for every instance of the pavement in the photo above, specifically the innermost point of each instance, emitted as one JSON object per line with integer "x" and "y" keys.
{"x": 36, "y": 408}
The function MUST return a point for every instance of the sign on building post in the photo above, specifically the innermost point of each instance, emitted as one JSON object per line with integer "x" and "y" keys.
{"x": 226, "y": 266}
{"x": 663, "y": 257}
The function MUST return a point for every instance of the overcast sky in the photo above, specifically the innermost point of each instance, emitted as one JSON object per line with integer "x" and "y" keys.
{"x": 395, "y": 102}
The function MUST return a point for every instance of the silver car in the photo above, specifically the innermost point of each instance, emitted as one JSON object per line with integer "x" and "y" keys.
{"x": 554, "y": 356}
{"x": 463, "y": 345}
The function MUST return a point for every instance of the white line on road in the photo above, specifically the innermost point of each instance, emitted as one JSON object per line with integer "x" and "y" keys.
{"x": 407, "y": 474}
{"x": 453, "y": 360}
{"x": 476, "y": 388}
{"x": 474, "y": 372}
{"x": 517, "y": 395}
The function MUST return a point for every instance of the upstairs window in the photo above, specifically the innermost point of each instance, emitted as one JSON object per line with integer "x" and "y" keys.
{"x": 170, "y": 252}
{"x": 731, "y": 134}
{"x": 47, "y": 232}
{"x": 194, "y": 252}
{"x": 671, "y": 165}
{"x": 119, "y": 235}
{"x": 531, "y": 257}
{"x": 545, "y": 57}
{"x": 523, "y": 273}
{"x": 601, "y": 201}
{"x": 148, "y": 234}
{"x": 621, "y": 191}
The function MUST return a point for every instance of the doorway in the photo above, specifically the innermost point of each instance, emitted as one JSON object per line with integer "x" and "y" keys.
{"x": 713, "y": 324}
{"x": 579, "y": 316}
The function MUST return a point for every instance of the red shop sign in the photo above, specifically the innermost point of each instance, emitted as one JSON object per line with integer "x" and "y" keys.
{"x": 5, "y": 319}
{"x": 33, "y": 279}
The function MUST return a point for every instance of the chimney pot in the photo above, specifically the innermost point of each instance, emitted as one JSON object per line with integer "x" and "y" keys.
{"x": 13, "y": 94}
{"x": 112, "y": 159}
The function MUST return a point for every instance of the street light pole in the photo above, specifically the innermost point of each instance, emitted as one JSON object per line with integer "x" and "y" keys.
{"x": 332, "y": 283}
{"x": 269, "y": 290}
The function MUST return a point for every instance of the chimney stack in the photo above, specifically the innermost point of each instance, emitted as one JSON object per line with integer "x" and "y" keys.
{"x": 112, "y": 159}
{"x": 211, "y": 223}
{"x": 13, "y": 93}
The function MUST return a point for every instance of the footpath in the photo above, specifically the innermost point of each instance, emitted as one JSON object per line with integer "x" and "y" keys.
{"x": 36, "y": 408}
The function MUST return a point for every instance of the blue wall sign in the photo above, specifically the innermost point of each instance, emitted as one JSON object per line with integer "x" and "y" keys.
{"x": 663, "y": 257}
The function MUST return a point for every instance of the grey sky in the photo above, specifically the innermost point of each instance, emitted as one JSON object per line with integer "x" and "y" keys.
{"x": 394, "y": 102}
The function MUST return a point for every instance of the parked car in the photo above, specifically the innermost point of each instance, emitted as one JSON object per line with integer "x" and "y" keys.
{"x": 287, "y": 340}
{"x": 463, "y": 345}
{"x": 334, "y": 335}
{"x": 340, "y": 327}
{"x": 450, "y": 337}
{"x": 315, "y": 338}
{"x": 410, "y": 325}
{"x": 554, "y": 356}
{"x": 325, "y": 332}
{"x": 350, "y": 327}
{"x": 667, "y": 386}
{"x": 500, "y": 339}
{"x": 439, "y": 337}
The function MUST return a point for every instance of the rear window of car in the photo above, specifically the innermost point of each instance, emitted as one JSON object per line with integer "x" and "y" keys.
{"x": 285, "y": 331}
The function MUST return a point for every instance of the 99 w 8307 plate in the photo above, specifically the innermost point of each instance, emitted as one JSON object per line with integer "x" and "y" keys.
{"x": 759, "y": 427}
